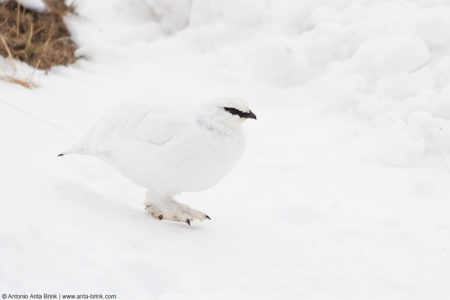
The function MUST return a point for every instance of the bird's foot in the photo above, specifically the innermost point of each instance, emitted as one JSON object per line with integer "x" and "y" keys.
{"x": 175, "y": 211}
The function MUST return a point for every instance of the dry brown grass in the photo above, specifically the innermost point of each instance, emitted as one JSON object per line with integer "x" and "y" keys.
{"x": 38, "y": 39}
{"x": 27, "y": 83}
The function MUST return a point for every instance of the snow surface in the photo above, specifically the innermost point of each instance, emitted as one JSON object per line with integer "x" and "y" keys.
{"x": 343, "y": 192}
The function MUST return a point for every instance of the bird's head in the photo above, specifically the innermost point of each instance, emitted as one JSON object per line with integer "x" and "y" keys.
{"x": 234, "y": 110}
{"x": 225, "y": 114}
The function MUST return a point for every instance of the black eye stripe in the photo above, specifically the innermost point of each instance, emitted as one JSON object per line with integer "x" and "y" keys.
{"x": 235, "y": 111}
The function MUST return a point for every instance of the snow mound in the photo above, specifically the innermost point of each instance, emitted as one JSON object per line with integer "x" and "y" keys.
{"x": 433, "y": 26}
{"x": 383, "y": 56}
{"x": 173, "y": 15}
{"x": 399, "y": 151}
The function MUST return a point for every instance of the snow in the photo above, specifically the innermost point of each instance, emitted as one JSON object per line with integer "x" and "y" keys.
{"x": 398, "y": 150}
{"x": 36, "y": 5}
{"x": 382, "y": 56}
{"x": 343, "y": 190}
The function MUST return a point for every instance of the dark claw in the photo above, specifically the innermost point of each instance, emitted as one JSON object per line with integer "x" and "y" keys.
{"x": 207, "y": 217}
{"x": 188, "y": 221}
{"x": 160, "y": 217}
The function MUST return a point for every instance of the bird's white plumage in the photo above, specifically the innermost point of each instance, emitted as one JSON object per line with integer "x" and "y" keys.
{"x": 152, "y": 124}
{"x": 169, "y": 149}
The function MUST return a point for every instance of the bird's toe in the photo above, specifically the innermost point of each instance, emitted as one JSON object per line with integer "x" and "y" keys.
{"x": 176, "y": 212}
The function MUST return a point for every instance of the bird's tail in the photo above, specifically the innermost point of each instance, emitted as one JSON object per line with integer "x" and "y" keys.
{"x": 78, "y": 148}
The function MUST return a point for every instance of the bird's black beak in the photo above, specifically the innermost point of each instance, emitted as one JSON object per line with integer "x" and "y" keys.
{"x": 251, "y": 115}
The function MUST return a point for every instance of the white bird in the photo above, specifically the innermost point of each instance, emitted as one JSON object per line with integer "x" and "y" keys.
{"x": 170, "y": 149}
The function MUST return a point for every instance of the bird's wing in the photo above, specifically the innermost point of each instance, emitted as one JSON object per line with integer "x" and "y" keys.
{"x": 151, "y": 124}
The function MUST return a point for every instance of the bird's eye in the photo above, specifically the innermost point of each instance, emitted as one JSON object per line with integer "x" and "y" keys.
{"x": 241, "y": 114}
{"x": 234, "y": 111}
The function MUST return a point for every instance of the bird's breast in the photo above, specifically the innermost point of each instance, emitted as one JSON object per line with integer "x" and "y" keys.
{"x": 202, "y": 161}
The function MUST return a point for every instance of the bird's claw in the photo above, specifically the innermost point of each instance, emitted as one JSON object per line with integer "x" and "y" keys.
{"x": 176, "y": 212}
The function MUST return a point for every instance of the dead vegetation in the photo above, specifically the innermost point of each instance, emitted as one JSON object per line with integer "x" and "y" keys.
{"x": 38, "y": 39}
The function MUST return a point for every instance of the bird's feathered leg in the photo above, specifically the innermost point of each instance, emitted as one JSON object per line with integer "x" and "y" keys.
{"x": 165, "y": 207}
